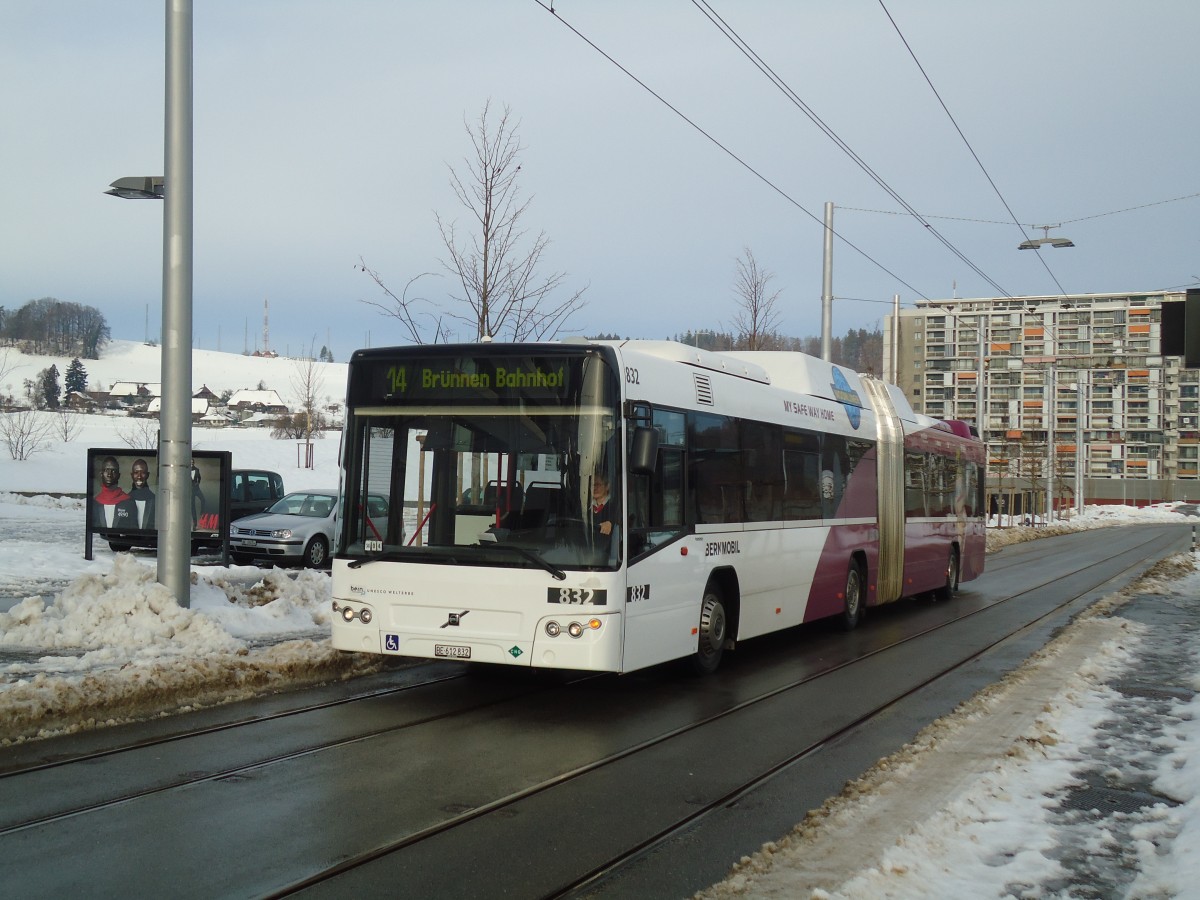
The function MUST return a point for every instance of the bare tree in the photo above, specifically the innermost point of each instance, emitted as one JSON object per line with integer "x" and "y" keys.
{"x": 68, "y": 424}
{"x": 756, "y": 321}
{"x": 494, "y": 264}
{"x": 409, "y": 310}
{"x": 307, "y": 382}
{"x": 297, "y": 427}
{"x": 139, "y": 433}
{"x": 6, "y": 368}
{"x": 25, "y": 432}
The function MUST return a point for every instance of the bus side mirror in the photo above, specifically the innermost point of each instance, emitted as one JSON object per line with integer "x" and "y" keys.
{"x": 643, "y": 454}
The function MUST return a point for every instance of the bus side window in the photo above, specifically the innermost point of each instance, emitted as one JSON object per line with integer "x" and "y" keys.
{"x": 914, "y": 484}
{"x": 802, "y": 475}
{"x": 762, "y": 468}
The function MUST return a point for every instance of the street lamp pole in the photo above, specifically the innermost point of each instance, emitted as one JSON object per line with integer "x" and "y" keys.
{"x": 175, "y": 431}
{"x": 174, "y": 504}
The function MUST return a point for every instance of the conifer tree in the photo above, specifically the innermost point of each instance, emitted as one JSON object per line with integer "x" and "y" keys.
{"x": 76, "y": 380}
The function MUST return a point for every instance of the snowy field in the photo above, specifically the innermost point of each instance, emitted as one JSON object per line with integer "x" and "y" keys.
{"x": 964, "y": 811}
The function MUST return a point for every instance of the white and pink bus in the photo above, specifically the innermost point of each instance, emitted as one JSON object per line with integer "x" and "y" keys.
{"x": 609, "y": 506}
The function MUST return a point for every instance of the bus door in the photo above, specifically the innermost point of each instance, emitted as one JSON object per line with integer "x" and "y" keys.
{"x": 662, "y": 598}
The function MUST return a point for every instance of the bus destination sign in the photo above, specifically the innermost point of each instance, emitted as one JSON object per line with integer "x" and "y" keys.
{"x": 463, "y": 377}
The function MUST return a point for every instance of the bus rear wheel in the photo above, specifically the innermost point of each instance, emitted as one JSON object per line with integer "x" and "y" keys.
{"x": 713, "y": 624}
{"x": 852, "y": 610}
{"x": 953, "y": 572}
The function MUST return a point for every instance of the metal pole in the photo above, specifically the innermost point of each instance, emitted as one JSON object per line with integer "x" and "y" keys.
{"x": 1050, "y": 443}
{"x": 1080, "y": 409}
{"x": 895, "y": 373}
{"x": 827, "y": 289}
{"x": 981, "y": 376}
{"x": 175, "y": 430}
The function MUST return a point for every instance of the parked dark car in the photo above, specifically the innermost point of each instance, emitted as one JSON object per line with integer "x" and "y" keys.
{"x": 253, "y": 490}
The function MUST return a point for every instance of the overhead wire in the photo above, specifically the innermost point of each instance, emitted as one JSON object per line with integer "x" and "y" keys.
{"x": 731, "y": 34}
{"x": 715, "y": 18}
{"x": 749, "y": 168}
{"x": 1024, "y": 236}
{"x": 897, "y": 212}
{"x": 993, "y": 221}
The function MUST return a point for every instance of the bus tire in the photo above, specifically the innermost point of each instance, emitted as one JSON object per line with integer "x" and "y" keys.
{"x": 953, "y": 572}
{"x": 853, "y": 601}
{"x": 713, "y": 625}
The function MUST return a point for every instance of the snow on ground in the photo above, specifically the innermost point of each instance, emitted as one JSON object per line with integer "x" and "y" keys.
{"x": 978, "y": 804}
{"x": 87, "y": 643}
{"x": 99, "y": 642}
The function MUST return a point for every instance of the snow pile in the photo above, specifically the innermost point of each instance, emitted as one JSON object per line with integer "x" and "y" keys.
{"x": 116, "y": 646}
{"x": 118, "y": 617}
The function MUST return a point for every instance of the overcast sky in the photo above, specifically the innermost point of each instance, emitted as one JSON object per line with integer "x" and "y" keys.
{"x": 323, "y": 133}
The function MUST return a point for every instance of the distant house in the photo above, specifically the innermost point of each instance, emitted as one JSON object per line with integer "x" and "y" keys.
{"x": 265, "y": 403}
{"x": 79, "y": 400}
{"x": 218, "y": 418}
{"x": 200, "y": 408}
{"x": 134, "y": 393}
{"x": 205, "y": 393}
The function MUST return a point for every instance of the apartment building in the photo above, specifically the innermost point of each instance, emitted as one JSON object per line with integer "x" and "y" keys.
{"x": 1064, "y": 389}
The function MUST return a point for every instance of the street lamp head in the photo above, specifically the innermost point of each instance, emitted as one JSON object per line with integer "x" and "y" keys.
{"x": 139, "y": 187}
{"x": 1036, "y": 243}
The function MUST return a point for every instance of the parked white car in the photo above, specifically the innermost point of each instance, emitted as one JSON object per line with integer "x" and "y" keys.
{"x": 297, "y": 529}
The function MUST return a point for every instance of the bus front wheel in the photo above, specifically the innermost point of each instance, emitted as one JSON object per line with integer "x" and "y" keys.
{"x": 712, "y": 633}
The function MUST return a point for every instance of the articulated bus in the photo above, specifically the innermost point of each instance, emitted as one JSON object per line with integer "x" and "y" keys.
{"x": 612, "y": 505}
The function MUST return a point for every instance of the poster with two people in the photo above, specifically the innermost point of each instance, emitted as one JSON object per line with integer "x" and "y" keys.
{"x": 123, "y": 491}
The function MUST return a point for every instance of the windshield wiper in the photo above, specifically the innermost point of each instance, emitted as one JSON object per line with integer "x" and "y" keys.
{"x": 529, "y": 555}
{"x": 379, "y": 557}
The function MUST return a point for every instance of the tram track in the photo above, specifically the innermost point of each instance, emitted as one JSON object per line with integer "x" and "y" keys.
{"x": 187, "y": 734}
{"x": 598, "y": 873}
{"x": 519, "y": 698}
{"x": 574, "y": 890}
{"x": 194, "y": 778}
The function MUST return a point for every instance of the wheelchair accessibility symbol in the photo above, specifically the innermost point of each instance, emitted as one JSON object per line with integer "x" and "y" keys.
{"x": 391, "y": 642}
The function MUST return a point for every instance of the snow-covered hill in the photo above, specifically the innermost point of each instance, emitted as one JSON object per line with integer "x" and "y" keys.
{"x": 131, "y": 361}
{"x": 61, "y": 466}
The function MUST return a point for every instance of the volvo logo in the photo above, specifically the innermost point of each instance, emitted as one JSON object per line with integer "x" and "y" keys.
{"x": 456, "y": 618}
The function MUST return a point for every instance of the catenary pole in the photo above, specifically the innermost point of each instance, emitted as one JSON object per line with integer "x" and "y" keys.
{"x": 827, "y": 289}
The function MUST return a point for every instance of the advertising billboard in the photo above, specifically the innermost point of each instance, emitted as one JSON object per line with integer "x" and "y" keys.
{"x": 123, "y": 498}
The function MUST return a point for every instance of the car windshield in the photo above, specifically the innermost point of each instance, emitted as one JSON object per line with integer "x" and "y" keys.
{"x": 316, "y": 506}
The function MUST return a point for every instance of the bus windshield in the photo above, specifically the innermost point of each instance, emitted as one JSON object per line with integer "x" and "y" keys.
{"x": 490, "y": 457}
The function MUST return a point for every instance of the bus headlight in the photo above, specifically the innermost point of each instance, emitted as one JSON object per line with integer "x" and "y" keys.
{"x": 364, "y": 616}
{"x": 553, "y": 629}
{"x": 575, "y": 630}
{"x": 347, "y": 614}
